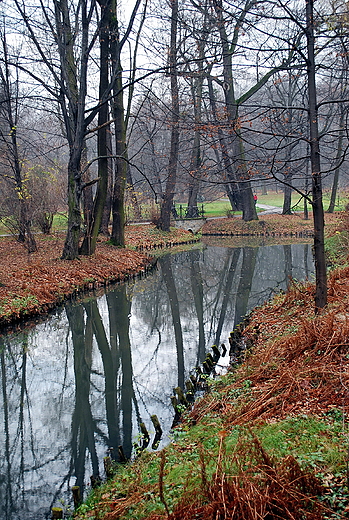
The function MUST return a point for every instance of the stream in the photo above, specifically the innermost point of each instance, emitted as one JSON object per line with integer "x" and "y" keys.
{"x": 77, "y": 385}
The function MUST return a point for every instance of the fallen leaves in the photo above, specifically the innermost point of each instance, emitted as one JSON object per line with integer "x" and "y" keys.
{"x": 269, "y": 225}
{"x": 33, "y": 284}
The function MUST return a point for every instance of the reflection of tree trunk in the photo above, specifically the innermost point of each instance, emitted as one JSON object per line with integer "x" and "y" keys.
{"x": 246, "y": 277}
{"x": 166, "y": 269}
{"x": 83, "y": 425}
{"x": 227, "y": 292}
{"x": 288, "y": 264}
{"x": 305, "y": 256}
{"x": 7, "y": 503}
{"x": 119, "y": 309}
{"x": 198, "y": 293}
{"x": 22, "y": 401}
{"x": 109, "y": 374}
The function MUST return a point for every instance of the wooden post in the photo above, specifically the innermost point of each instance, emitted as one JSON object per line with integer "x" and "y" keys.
{"x": 76, "y": 496}
{"x": 108, "y": 467}
{"x": 216, "y": 353}
{"x": 122, "y": 456}
{"x": 189, "y": 386}
{"x": 95, "y": 481}
{"x": 158, "y": 431}
{"x": 174, "y": 402}
{"x": 156, "y": 423}
{"x": 209, "y": 360}
{"x": 145, "y": 436}
{"x": 181, "y": 396}
{"x": 206, "y": 367}
{"x": 56, "y": 512}
{"x": 193, "y": 380}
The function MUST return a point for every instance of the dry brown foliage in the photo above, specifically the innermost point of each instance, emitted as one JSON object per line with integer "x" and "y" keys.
{"x": 289, "y": 225}
{"x": 249, "y": 485}
{"x": 48, "y": 280}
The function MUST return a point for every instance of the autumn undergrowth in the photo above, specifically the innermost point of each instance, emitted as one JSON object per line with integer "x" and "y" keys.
{"x": 14, "y": 305}
{"x": 214, "y": 471}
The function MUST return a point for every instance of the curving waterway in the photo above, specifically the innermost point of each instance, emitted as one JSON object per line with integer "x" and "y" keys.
{"x": 78, "y": 385}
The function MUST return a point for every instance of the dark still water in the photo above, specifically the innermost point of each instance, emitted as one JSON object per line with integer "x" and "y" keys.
{"x": 80, "y": 383}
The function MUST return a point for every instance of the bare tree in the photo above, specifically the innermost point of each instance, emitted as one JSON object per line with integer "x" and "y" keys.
{"x": 14, "y": 174}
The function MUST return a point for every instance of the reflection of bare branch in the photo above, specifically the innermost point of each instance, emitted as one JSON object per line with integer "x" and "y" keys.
{"x": 47, "y": 461}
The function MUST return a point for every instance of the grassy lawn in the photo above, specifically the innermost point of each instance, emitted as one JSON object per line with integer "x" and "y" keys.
{"x": 277, "y": 199}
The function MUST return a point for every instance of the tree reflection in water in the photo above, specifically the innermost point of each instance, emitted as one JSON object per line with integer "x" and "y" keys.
{"x": 77, "y": 386}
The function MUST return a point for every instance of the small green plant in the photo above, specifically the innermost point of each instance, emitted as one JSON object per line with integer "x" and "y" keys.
{"x": 21, "y": 304}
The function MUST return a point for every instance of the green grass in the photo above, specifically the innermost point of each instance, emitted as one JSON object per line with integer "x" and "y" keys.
{"x": 59, "y": 224}
{"x": 277, "y": 199}
{"x": 219, "y": 208}
{"x": 316, "y": 443}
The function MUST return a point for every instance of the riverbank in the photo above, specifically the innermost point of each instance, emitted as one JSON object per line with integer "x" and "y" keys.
{"x": 31, "y": 285}
{"x": 270, "y": 439}
{"x": 274, "y": 225}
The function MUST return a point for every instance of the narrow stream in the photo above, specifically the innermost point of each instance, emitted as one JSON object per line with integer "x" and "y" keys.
{"x": 77, "y": 386}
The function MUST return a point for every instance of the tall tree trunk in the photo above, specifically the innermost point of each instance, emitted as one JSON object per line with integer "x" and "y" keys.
{"x": 87, "y": 195}
{"x": 318, "y": 211}
{"x": 9, "y": 112}
{"x": 88, "y": 246}
{"x": 167, "y": 201}
{"x": 194, "y": 182}
{"x": 286, "y": 209}
{"x": 231, "y": 186}
{"x": 195, "y": 163}
{"x": 118, "y": 209}
{"x": 249, "y": 211}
